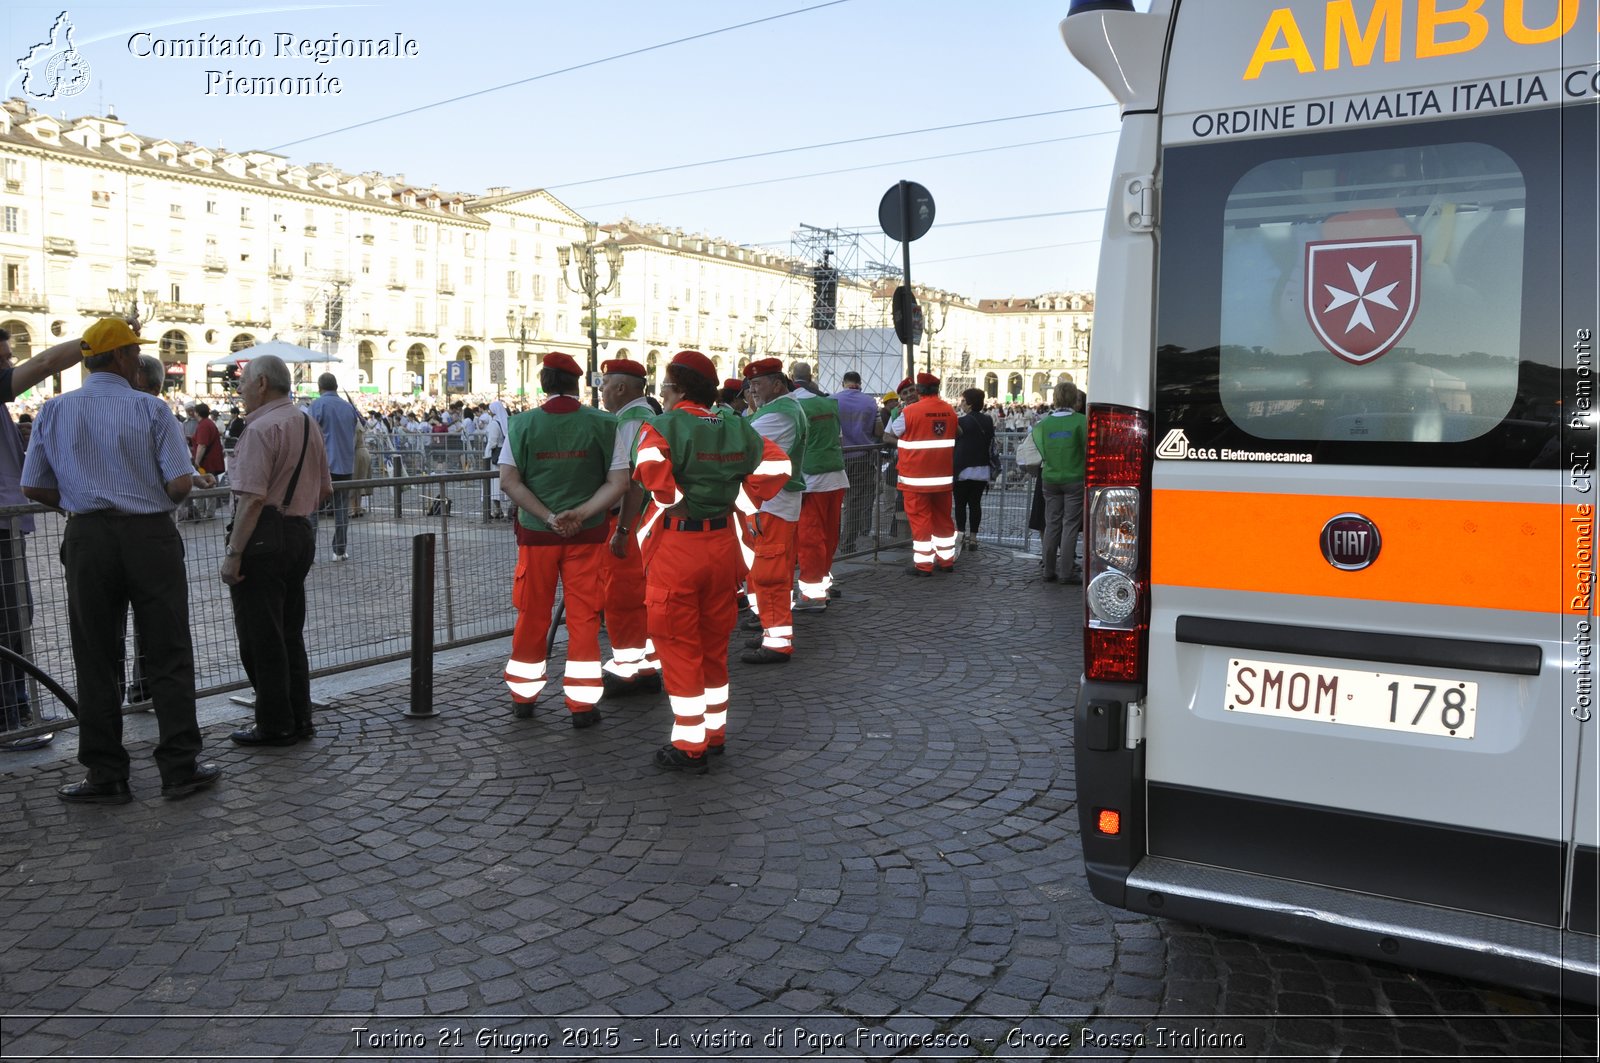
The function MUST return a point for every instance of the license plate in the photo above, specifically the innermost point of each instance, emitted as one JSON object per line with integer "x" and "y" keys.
{"x": 1390, "y": 701}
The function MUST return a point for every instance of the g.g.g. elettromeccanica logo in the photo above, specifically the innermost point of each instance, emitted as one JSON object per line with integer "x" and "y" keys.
{"x": 54, "y": 67}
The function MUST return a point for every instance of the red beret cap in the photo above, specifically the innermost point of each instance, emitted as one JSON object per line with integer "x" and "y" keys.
{"x": 763, "y": 367}
{"x": 906, "y": 383}
{"x": 698, "y": 362}
{"x": 928, "y": 380}
{"x": 733, "y": 384}
{"x": 563, "y": 362}
{"x": 625, "y": 366}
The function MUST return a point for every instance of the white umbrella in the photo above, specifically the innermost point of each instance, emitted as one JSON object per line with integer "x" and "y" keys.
{"x": 292, "y": 353}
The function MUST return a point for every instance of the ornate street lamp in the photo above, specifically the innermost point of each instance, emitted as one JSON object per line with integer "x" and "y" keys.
{"x": 518, "y": 324}
{"x": 931, "y": 328}
{"x": 125, "y": 301}
{"x": 581, "y": 253}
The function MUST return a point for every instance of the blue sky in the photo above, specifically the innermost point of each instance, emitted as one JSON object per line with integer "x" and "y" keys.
{"x": 855, "y": 69}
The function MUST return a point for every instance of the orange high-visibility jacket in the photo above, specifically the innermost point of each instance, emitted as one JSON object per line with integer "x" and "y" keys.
{"x": 927, "y": 450}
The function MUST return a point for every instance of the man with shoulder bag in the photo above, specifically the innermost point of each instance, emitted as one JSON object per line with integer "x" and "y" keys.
{"x": 279, "y": 478}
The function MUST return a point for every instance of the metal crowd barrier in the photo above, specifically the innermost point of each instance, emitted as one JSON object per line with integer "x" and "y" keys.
{"x": 357, "y": 611}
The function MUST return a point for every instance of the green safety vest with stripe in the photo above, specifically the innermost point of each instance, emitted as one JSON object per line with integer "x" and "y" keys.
{"x": 1062, "y": 444}
{"x": 711, "y": 456}
{"x": 789, "y": 406}
{"x": 564, "y": 458}
{"x": 824, "y": 446}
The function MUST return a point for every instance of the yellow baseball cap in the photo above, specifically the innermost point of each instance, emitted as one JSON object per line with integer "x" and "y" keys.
{"x": 109, "y": 334}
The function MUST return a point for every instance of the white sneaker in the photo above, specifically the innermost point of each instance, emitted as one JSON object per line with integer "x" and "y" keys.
{"x": 341, "y": 557}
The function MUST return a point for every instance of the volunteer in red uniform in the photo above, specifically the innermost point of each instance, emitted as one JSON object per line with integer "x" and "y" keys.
{"x": 926, "y": 434}
{"x": 694, "y": 461}
{"x": 557, "y": 467}
{"x": 779, "y": 419}
{"x": 633, "y": 668}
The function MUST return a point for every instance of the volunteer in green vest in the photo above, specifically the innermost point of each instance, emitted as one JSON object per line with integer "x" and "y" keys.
{"x": 633, "y": 668}
{"x": 771, "y": 533}
{"x": 694, "y": 461}
{"x": 560, "y": 469}
{"x": 822, "y": 503}
{"x": 1062, "y": 439}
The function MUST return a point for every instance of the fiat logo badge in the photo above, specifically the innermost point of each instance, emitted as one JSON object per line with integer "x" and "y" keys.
{"x": 1350, "y": 542}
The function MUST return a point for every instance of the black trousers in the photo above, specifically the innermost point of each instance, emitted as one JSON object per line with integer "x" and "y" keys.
{"x": 269, "y": 614}
{"x": 16, "y": 617}
{"x": 112, "y": 562}
{"x": 969, "y": 499}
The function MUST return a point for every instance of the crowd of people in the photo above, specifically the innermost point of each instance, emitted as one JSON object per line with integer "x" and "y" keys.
{"x": 658, "y": 517}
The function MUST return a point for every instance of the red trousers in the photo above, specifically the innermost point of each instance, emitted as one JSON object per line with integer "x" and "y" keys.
{"x": 933, "y": 528}
{"x": 818, "y": 540}
{"x": 770, "y": 580}
{"x": 691, "y": 598}
{"x": 631, "y": 651}
{"x": 534, "y": 591}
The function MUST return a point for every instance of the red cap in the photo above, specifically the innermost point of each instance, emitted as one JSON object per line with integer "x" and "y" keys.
{"x": 562, "y": 362}
{"x": 906, "y": 383}
{"x": 764, "y": 367}
{"x": 698, "y": 362}
{"x": 733, "y": 384}
{"x": 625, "y": 366}
{"x": 927, "y": 380}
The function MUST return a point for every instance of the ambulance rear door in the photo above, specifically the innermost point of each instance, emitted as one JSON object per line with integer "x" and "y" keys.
{"x": 1371, "y": 523}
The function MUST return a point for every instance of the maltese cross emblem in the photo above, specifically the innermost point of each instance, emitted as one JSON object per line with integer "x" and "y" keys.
{"x": 1362, "y": 295}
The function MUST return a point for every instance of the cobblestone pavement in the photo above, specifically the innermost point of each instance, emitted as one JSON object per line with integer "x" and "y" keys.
{"x": 885, "y": 863}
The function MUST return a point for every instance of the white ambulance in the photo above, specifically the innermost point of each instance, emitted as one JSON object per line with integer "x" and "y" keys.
{"x": 1340, "y": 513}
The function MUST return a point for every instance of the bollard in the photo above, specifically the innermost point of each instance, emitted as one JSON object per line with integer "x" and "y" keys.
{"x": 422, "y": 626}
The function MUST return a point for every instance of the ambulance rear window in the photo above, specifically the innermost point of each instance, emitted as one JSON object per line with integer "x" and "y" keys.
{"x": 1386, "y": 296}
{"x": 1374, "y": 295}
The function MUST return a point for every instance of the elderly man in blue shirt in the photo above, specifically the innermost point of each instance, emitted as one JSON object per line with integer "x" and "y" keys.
{"x": 858, "y": 432}
{"x": 338, "y": 420}
{"x": 115, "y": 459}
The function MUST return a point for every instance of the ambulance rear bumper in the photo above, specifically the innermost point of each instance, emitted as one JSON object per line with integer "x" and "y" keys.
{"x": 1469, "y": 945}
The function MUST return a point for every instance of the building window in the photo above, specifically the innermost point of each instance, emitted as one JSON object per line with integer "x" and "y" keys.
{"x": 420, "y": 234}
{"x": 538, "y": 286}
{"x": 511, "y": 283}
{"x": 211, "y": 206}
{"x": 419, "y": 319}
{"x": 13, "y": 222}
{"x": 466, "y": 275}
{"x": 513, "y": 249}
{"x": 469, "y": 242}
{"x": 419, "y": 267}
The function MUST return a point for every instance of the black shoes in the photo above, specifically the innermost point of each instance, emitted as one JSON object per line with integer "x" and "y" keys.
{"x": 582, "y": 720}
{"x": 915, "y": 571}
{"x": 811, "y": 605}
{"x": 945, "y": 570}
{"x": 96, "y": 793}
{"x": 522, "y": 710}
{"x": 672, "y": 758}
{"x": 762, "y": 655}
{"x": 254, "y": 736}
{"x": 753, "y": 644}
{"x": 1076, "y": 579}
{"x": 716, "y": 750}
{"x": 750, "y": 623}
{"x": 617, "y": 687}
{"x": 306, "y": 732}
{"x": 203, "y": 777}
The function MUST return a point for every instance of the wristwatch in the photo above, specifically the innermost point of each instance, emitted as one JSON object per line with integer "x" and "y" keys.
{"x": 231, "y": 552}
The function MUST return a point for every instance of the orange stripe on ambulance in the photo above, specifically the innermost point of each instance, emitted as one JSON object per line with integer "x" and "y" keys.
{"x": 1439, "y": 31}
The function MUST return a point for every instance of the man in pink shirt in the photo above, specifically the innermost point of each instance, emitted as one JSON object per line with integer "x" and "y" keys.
{"x": 279, "y": 478}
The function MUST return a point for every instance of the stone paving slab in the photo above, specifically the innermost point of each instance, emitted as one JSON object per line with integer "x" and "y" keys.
{"x": 885, "y": 864}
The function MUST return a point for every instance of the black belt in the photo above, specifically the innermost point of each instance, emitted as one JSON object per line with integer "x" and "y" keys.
{"x": 115, "y": 514}
{"x": 689, "y": 524}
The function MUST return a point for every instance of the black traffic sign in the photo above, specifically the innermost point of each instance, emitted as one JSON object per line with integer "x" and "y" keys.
{"x": 906, "y": 212}
{"x": 907, "y": 316}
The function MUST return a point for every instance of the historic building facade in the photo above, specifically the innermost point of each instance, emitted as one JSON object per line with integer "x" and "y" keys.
{"x": 415, "y": 289}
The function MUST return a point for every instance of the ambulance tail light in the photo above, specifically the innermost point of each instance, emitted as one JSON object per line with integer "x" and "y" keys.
{"x": 1117, "y": 583}
{"x": 1108, "y": 821}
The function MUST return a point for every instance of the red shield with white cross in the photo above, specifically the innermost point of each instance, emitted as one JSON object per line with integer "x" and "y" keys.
{"x": 1362, "y": 295}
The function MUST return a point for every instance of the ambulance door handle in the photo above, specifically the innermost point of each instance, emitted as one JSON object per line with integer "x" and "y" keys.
{"x": 1139, "y": 203}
